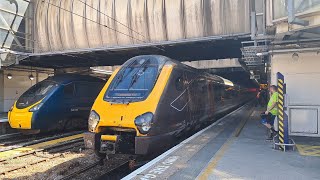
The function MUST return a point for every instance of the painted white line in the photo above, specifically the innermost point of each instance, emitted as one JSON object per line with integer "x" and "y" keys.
{"x": 173, "y": 149}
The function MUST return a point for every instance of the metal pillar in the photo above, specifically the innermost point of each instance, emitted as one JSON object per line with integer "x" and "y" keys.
{"x": 283, "y": 142}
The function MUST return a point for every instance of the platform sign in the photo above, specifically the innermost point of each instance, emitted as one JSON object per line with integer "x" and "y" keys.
{"x": 282, "y": 116}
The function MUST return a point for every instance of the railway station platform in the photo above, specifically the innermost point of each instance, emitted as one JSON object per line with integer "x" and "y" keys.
{"x": 4, "y": 125}
{"x": 234, "y": 147}
{"x": 3, "y": 117}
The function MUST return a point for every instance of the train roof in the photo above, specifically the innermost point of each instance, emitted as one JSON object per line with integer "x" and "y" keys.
{"x": 163, "y": 59}
{"x": 66, "y": 78}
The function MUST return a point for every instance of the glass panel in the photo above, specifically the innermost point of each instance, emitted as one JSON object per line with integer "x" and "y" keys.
{"x": 21, "y": 6}
{"x": 3, "y": 34}
{"x": 135, "y": 81}
{"x": 8, "y": 42}
{"x": 6, "y": 19}
{"x": 300, "y": 6}
{"x": 36, "y": 93}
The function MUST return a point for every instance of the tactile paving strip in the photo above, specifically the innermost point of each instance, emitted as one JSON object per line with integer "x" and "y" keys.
{"x": 308, "y": 150}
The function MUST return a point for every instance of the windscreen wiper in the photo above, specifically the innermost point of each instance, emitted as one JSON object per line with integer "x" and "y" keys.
{"x": 135, "y": 76}
{"x": 121, "y": 76}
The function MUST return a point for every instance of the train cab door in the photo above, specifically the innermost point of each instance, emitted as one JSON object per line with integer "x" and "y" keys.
{"x": 85, "y": 93}
{"x": 68, "y": 101}
{"x": 179, "y": 104}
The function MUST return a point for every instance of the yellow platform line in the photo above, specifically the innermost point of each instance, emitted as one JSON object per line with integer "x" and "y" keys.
{"x": 213, "y": 163}
{"x": 7, "y": 154}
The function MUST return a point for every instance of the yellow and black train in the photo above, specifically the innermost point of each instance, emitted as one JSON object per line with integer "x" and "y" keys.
{"x": 151, "y": 100}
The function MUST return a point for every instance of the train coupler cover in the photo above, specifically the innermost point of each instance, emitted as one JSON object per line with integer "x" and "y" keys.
{"x": 108, "y": 147}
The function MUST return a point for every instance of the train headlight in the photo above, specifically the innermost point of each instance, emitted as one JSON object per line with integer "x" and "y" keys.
{"x": 36, "y": 107}
{"x": 144, "y": 122}
{"x": 94, "y": 119}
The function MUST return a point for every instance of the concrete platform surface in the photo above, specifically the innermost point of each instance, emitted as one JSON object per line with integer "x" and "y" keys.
{"x": 251, "y": 157}
{"x": 233, "y": 148}
{"x": 3, "y": 117}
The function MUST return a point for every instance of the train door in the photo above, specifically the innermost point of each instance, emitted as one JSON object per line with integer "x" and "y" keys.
{"x": 68, "y": 102}
{"x": 210, "y": 92}
{"x": 217, "y": 97}
{"x": 192, "y": 95}
{"x": 86, "y": 93}
{"x": 180, "y": 100}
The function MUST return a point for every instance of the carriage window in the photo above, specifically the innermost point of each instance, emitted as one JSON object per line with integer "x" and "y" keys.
{"x": 68, "y": 89}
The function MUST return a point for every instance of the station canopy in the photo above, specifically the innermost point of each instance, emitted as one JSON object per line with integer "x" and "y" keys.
{"x": 57, "y": 33}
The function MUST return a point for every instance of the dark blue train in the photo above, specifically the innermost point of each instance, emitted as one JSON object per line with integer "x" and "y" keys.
{"x": 60, "y": 102}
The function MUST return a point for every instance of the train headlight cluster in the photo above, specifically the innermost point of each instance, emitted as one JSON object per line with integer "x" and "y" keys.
{"x": 144, "y": 122}
{"x": 94, "y": 119}
{"x": 36, "y": 107}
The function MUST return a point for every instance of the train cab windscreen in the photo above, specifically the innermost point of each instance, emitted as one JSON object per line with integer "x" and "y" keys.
{"x": 134, "y": 81}
{"x": 35, "y": 93}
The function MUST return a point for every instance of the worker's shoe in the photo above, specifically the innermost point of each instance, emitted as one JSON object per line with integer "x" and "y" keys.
{"x": 270, "y": 137}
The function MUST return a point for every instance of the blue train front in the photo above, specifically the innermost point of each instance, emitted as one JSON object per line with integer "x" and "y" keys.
{"x": 60, "y": 102}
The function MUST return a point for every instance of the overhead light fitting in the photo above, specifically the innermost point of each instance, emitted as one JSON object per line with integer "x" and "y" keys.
{"x": 31, "y": 77}
{"x": 9, "y": 76}
{"x": 295, "y": 56}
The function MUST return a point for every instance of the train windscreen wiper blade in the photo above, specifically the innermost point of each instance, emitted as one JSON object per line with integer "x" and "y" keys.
{"x": 121, "y": 76}
{"x": 135, "y": 77}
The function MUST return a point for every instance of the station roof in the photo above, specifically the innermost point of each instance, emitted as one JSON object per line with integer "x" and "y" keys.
{"x": 206, "y": 48}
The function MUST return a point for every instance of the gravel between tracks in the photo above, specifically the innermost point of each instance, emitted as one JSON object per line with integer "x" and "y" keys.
{"x": 53, "y": 169}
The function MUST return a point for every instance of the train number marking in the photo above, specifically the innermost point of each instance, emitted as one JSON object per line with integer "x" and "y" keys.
{"x": 166, "y": 164}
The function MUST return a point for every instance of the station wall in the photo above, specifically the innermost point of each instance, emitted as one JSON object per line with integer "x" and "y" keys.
{"x": 11, "y": 89}
{"x": 302, "y": 76}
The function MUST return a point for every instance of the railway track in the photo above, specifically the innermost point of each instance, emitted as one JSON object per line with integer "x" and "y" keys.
{"x": 114, "y": 168}
{"x": 38, "y": 156}
{"x": 51, "y": 149}
{"x": 11, "y": 142}
{"x": 8, "y": 136}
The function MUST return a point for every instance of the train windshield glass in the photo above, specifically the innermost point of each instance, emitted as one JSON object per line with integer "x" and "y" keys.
{"x": 35, "y": 93}
{"x": 134, "y": 81}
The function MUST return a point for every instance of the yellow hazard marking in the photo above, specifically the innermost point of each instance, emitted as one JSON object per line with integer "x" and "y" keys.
{"x": 280, "y": 117}
{"x": 280, "y": 96}
{"x": 281, "y": 134}
{"x": 280, "y": 80}
{"x": 280, "y": 107}
{"x": 281, "y": 129}
{"x": 280, "y": 85}
{"x": 281, "y": 113}
{"x": 280, "y": 91}
{"x": 281, "y": 123}
{"x": 7, "y": 154}
{"x": 308, "y": 150}
{"x": 280, "y": 139}
{"x": 280, "y": 101}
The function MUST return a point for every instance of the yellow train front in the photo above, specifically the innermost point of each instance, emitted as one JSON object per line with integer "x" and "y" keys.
{"x": 153, "y": 99}
{"x": 58, "y": 103}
